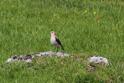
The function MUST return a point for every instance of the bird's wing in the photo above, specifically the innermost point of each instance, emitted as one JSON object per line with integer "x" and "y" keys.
{"x": 58, "y": 41}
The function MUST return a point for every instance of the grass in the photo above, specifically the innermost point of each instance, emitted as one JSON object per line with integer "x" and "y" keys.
{"x": 85, "y": 28}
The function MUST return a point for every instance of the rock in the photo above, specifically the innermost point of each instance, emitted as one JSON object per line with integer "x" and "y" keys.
{"x": 28, "y": 58}
{"x": 62, "y": 54}
{"x": 50, "y": 53}
{"x": 98, "y": 60}
{"x": 24, "y": 58}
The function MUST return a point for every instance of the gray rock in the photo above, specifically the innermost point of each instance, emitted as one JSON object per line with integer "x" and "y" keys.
{"x": 98, "y": 60}
{"x": 50, "y": 53}
{"x": 28, "y": 58}
{"x": 24, "y": 58}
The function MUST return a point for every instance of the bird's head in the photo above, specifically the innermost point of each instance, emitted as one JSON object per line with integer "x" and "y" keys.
{"x": 53, "y": 33}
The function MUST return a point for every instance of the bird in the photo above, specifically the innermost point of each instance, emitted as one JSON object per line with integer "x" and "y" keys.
{"x": 55, "y": 41}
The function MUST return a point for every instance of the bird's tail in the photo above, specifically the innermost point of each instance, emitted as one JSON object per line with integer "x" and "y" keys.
{"x": 62, "y": 47}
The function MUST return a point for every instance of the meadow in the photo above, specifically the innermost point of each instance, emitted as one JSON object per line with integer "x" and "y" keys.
{"x": 85, "y": 28}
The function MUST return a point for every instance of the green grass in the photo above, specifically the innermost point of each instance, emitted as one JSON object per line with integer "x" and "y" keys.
{"x": 85, "y": 28}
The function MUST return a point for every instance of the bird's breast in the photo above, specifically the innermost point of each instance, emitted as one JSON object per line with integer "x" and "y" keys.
{"x": 53, "y": 41}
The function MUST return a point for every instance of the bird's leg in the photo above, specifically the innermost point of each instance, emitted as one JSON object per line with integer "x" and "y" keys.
{"x": 53, "y": 49}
